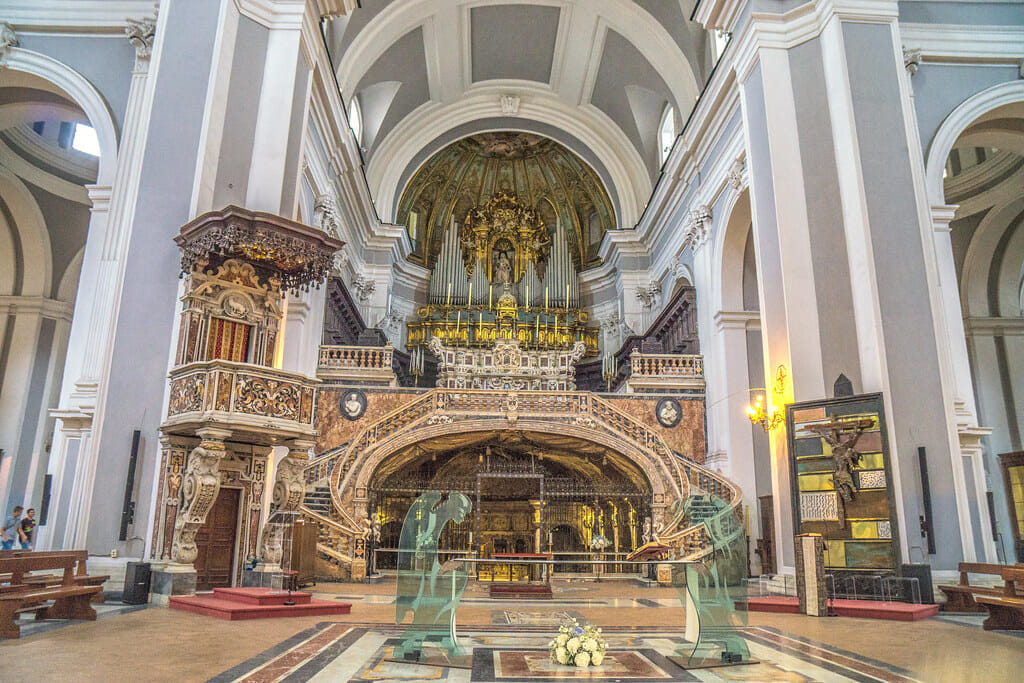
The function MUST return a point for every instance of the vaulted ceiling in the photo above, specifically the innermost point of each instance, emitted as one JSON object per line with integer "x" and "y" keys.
{"x": 595, "y": 75}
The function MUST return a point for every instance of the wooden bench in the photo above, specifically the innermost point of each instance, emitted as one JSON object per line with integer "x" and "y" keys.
{"x": 960, "y": 598}
{"x": 1006, "y": 611}
{"x": 70, "y": 600}
{"x": 82, "y": 577}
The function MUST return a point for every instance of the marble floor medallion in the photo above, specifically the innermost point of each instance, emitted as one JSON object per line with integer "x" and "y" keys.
{"x": 547, "y": 618}
{"x": 536, "y": 665}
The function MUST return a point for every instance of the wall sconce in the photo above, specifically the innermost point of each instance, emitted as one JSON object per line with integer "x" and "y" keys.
{"x": 769, "y": 418}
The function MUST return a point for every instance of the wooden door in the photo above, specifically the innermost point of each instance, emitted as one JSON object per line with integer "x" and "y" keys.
{"x": 216, "y": 542}
{"x": 766, "y": 544}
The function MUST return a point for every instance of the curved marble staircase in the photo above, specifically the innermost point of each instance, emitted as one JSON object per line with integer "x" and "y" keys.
{"x": 701, "y": 507}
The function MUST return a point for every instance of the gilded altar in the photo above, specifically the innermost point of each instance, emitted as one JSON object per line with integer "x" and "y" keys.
{"x": 506, "y": 366}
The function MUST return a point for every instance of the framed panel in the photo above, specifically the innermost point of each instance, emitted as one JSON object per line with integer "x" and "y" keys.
{"x": 860, "y": 534}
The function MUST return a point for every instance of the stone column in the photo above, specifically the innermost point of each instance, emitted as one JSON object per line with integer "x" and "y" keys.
{"x": 199, "y": 488}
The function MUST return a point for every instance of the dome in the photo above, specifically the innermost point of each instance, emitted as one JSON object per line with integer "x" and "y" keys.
{"x": 540, "y": 172}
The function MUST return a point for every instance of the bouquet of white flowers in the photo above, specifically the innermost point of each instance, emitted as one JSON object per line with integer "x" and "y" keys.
{"x": 577, "y": 645}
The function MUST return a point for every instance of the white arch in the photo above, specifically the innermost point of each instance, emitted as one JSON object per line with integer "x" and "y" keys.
{"x": 958, "y": 120}
{"x": 629, "y": 176}
{"x": 980, "y": 252}
{"x": 730, "y": 244}
{"x": 67, "y": 290}
{"x": 1009, "y": 284}
{"x": 627, "y": 18}
{"x": 82, "y": 93}
{"x": 32, "y": 233}
{"x": 19, "y": 112}
{"x": 7, "y": 266}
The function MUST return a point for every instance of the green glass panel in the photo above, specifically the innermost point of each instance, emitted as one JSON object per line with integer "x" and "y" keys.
{"x": 813, "y": 465}
{"x": 866, "y": 408}
{"x": 869, "y": 554}
{"x": 809, "y": 446}
{"x": 425, "y": 587}
{"x": 716, "y": 586}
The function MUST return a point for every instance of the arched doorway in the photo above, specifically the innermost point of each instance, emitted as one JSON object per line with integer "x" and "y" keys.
{"x": 532, "y": 492}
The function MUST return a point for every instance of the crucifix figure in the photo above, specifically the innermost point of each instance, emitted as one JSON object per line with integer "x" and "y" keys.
{"x": 843, "y": 436}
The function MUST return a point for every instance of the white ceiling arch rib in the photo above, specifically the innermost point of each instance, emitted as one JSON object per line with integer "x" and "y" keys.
{"x": 625, "y": 17}
{"x": 629, "y": 179}
{"x": 578, "y": 53}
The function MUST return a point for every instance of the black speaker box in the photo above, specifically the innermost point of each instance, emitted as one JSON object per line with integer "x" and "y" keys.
{"x": 136, "y": 583}
{"x": 923, "y": 574}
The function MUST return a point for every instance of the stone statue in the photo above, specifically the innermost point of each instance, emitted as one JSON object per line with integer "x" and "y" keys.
{"x": 646, "y": 536}
{"x": 503, "y": 270}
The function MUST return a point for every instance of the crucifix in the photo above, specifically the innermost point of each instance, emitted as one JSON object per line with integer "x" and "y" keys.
{"x": 843, "y": 435}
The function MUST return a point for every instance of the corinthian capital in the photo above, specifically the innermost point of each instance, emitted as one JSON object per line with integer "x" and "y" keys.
{"x": 140, "y": 33}
{"x": 698, "y": 221}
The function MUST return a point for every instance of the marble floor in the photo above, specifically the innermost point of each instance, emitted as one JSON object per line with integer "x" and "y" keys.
{"x": 506, "y": 641}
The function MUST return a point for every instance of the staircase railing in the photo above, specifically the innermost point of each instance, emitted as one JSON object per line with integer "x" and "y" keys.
{"x": 579, "y": 409}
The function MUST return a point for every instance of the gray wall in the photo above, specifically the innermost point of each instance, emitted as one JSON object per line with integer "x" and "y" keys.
{"x": 106, "y": 61}
{"x": 940, "y": 88}
{"x": 918, "y": 414}
{"x": 149, "y": 299}
{"x": 242, "y": 109}
{"x": 832, "y": 286}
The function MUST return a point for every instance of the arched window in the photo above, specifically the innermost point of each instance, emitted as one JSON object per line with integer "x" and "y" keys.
{"x": 667, "y": 131}
{"x": 85, "y": 140}
{"x": 355, "y": 120}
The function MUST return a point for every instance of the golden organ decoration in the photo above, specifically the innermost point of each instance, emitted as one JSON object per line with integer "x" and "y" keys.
{"x": 503, "y": 275}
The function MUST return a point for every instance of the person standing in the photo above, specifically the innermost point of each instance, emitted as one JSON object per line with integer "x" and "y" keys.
{"x": 11, "y": 530}
{"x": 28, "y": 528}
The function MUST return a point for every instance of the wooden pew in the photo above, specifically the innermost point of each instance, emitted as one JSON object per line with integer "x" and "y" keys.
{"x": 82, "y": 577}
{"x": 961, "y": 598}
{"x": 1006, "y": 611}
{"x": 70, "y": 600}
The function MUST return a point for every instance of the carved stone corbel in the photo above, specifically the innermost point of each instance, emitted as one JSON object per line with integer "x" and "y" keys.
{"x": 325, "y": 208}
{"x": 8, "y": 38}
{"x": 911, "y": 59}
{"x": 363, "y": 287}
{"x": 697, "y": 226}
{"x": 287, "y": 496}
{"x": 199, "y": 490}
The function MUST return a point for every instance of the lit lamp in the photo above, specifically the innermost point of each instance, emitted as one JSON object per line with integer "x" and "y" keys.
{"x": 767, "y": 420}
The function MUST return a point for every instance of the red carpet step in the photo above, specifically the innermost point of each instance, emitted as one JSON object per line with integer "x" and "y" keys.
{"x": 234, "y": 604}
{"x": 865, "y": 609}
